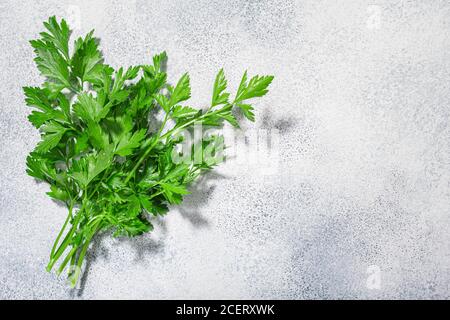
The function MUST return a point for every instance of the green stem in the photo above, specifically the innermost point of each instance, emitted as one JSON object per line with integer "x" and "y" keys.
{"x": 72, "y": 263}
{"x": 66, "y": 241}
{"x": 156, "y": 194}
{"x": 66, "y": 260}
{"x": 62, "y": 229}
{"x": 74, "y": 277}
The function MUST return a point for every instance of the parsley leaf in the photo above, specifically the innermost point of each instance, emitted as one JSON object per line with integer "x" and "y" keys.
{"x": 129, "y": 141}
{"x": 59, "y": 35}
{"x": 52, "y": 64}
{"x": 87, "y": 108}
{"x": 220, "y": 97}
{"x": 256, "y": 87}
{"x": 86, "y": 61}
{"x": 53, "y": 134}
{"x": 182, "y": 91}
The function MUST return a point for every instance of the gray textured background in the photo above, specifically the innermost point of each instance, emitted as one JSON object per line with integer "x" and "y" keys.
{"x": 361, "y": 101}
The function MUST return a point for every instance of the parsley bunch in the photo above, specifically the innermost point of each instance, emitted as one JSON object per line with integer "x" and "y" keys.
{"x": 97, "y": 152}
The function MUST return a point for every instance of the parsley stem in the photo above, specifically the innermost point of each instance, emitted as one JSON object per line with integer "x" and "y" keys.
{"x": 62, "y": 229}
{"x": 72, "y": 263}
{"x": 83, "y": 251}
{"x": 66, "y": 241}
{"x": 66, "y": 259}
{"x": 156, "y": 194}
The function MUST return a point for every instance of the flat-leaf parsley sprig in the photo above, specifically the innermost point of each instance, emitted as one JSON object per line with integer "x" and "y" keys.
{"x": 96, "y": 150}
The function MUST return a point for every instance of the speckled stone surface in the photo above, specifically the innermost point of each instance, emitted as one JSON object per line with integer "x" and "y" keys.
{"x": 357, "y": 204}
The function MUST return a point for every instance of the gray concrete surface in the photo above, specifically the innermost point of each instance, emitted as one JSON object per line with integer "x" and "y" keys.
{"x": 358, "y": 203}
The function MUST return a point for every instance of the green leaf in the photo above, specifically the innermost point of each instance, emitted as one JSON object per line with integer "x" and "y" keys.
{"x": 177, "y": 173}
{"x": 140, "y": 102}
{"x": 97, "y": 136}
{"x": 133, "y": 207}
{"x": 158, "y": 60}
{"x": 118, "y": 92}
{"x": 152, "y": 71}
{"x": 213, "y": 151}
{"x": 231, "y": 120}
{"x": 64, "y": 105}
{"x": 220, "y": 84}
{"x": 150, "y": 179}
{"x": 118, "y": 126}
{"x": 129, "y": 141}
{"x": 242, "y": 86}
{"x": 132, "y": 72}
{"x": 256, "y": 87}
{"x": 216, "y": 118}
{"x": 87, "y": 108}
{"x": 159, "y": 208}
{"x": 53, "y": 134}
{"x": 182, "y": 112}
{"x": 247, "y": 110}
{"x": 178, "y": 189}
{"x": 49, "y": 141}
{"x": 133, "y": 227}
{"x": 58, "y": 194}
{"x": 163, "y": 101}
{"x": 116, "y": 181}
{"x": 182, "y": 91}
{"x": 39, "y": 118}
{"x": 146, "y": 203}
{"x": 51, "y": 64}
{"x": 86, "y": 61}
{"x": 39, "y": 167}
{"x": 59, "y": 35}
{"x": 88, "y": 168}
{"x": 81, "y": 143}
{"x": 38, "y": 98}
{"x": 156, "y": 83}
